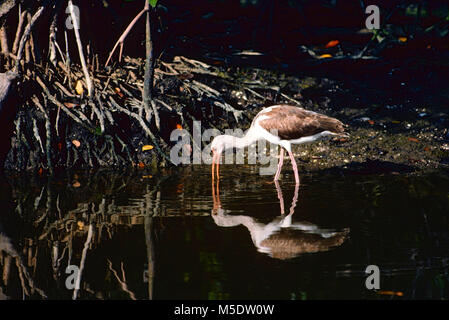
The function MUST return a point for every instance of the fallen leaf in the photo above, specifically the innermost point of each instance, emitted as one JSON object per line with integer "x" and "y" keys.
{"x": 178, "y": 126}
{"x": 391, "y": 293}
{"x": 141, "y": 165}
{"x": 147, "y": 177}
{"x": 76, "y": 143}
{"x": 147, "y": 147}
{"x": 326, "y": 55}
{"x": 332, "y": 43}
{"x": 402, "y": 39}
{"x": 79, "y": 87}
{"x": 185, "y": 76}
{"x": 119, "y": 92}
{"x": 413, "y": 139}
{"x": 70, "y": 104}
{"x": 426, "y": 149}
{"x": 40, "y": 171}
{"x": 371, "y": 122}
{"x": 76, "y": 184}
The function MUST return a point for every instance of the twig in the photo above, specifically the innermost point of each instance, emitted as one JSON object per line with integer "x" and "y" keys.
{"x": 201, "y": 87}
{"x": 48, "y": 132}
{"x": 123, "y": 284}
{"x": 4, "y": 40}
{"x": 125, "y": 33}
{"x": 52, "y": 45}
{"x": 99, "y": 115}
{"x": 64, "y": 90}
{"x": 59, "y": 104}
{"x": 90, "y": 87}
{"x": 147, "y": 95}
{"x": 15, "y": 45}
{"x": 67, "y": 54}
{"x": 144, "y": 126}
{"x": 83, "y": 260}
{"x": 166, "y": 105}
{"x": 25, "y": 36}
{"x": 36, "y": 135}
{"x": 291, "y": 99}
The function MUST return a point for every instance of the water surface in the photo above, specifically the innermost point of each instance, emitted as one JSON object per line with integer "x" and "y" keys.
{"x": 143, "y": 235}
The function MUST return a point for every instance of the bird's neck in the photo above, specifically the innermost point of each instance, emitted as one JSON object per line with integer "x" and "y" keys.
{"x": 244, "y": 141}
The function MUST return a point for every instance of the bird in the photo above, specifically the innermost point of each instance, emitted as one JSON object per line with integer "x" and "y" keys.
{"x": 282, "y": 125}
{"x": 282, "y": 238}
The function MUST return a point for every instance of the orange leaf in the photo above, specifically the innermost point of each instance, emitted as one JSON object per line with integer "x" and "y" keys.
{"x": 178, "y": 126}
{"x": 332, "y": 43}
{"x": 119, "y": 92}
{"x": 70, "y": 104}
{"x": 413, "y": 139}
{"x": 371, "y": 122}
{"x": 79, "y": 87}
{"x": 76, "y": 143}
{"x": 141, "y": 165}
{"x": 402, "y": 39}
{"x": 76, "y": 184}
{"x": 326, "y": 55}
{"x": 147, "y": 147}
{"x": 40, "y": 171}
{"x": 391, "y": 293}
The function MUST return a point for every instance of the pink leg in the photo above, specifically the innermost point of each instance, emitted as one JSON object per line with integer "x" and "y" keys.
{"x": 281, "y": 162}
{"x": 295, "y": 167}
{"x": 281, "y": 199}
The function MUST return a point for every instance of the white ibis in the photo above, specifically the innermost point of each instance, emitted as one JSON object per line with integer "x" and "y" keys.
{"x": 282, "y": 238}
{"x": 283, "y": 125}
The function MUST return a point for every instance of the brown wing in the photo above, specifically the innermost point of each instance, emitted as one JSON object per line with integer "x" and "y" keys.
{"x": 294, "y": 123}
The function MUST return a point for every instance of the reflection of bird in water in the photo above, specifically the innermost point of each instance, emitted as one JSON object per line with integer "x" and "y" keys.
{"x": 281, "y": 238}
{"x": 283, "y": 125}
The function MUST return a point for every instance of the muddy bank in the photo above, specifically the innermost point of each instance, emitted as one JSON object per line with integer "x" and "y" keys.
{"x": 384, "y": 126}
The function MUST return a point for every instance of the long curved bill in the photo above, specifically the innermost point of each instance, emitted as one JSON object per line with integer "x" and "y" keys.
{"x": 215, "y": 193}
{"x": 215, "y": 160}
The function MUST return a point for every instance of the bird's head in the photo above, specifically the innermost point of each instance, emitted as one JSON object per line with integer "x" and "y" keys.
{"x": 221, "y": 143}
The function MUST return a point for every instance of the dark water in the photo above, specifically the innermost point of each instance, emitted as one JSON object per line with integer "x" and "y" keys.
{"x": 161, "y": 236}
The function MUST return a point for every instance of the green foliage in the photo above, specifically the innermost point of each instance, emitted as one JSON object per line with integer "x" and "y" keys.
{"x": 153, "y": 3}
{"x": 98, "y": 131}
{"x": 412, "y": 10}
